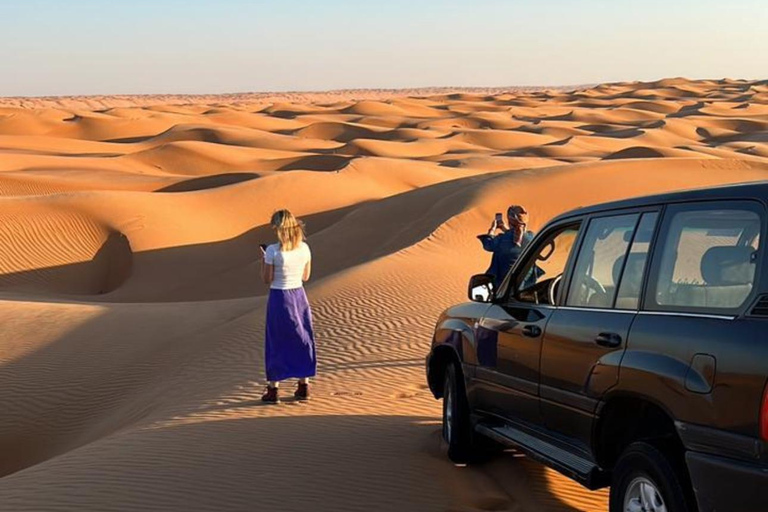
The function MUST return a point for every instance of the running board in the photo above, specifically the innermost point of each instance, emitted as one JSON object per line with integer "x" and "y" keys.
{"x": 584, "y": 471}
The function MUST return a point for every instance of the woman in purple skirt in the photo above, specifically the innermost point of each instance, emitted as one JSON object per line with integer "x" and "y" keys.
{"x": 289, "y": 343}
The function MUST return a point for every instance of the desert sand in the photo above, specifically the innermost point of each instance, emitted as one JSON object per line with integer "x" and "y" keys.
{"x": 131, "y": 313}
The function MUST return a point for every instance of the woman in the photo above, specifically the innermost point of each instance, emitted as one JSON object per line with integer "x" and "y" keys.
{"x": 508, "y": 245}
{"x": 289, "y": 342}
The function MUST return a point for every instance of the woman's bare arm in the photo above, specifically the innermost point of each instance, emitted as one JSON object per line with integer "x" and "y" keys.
{"x": 307, "y": 271}
{"x": 267, "y": 272}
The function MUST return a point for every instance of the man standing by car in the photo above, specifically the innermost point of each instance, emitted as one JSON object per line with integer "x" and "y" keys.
{"x": 507, "y": 245}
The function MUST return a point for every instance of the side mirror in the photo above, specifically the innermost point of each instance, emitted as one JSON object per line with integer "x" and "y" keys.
{"x": 481, "y": 288}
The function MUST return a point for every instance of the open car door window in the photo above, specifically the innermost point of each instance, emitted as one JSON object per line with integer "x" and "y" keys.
{"x": 537, "y": 280}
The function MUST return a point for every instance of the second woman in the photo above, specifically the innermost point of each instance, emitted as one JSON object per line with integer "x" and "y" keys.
{"x": 289, "y": 342}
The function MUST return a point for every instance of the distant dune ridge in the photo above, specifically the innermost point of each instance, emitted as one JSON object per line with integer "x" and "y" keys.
{"x": 94, "y": 102}
{"x": 131, "y": 314}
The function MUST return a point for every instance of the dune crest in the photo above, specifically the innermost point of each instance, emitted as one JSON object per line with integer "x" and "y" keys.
{"x": 132, "y": 312}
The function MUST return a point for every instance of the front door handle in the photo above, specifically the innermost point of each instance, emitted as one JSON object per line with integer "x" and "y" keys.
{"x": 532, "y": 331}
{"x": 608, "y": 339}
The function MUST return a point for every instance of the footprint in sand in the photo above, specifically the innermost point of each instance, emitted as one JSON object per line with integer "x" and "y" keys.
{"x": 405, "y": 394}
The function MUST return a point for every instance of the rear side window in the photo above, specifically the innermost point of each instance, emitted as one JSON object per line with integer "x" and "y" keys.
{"x": 708, "y": 259}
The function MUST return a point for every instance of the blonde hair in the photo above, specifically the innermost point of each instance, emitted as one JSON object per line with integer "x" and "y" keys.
{"x": 289, "y": 229}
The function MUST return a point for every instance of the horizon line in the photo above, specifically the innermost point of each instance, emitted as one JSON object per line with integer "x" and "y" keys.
{"x": 576, "y": 86}
{"x": 372, "y": 92}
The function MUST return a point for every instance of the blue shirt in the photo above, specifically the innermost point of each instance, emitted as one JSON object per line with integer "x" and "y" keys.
{"x": 505, "y": 252}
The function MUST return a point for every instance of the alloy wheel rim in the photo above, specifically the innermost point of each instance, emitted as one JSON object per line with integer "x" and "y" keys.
{"x": 643, "y": 496}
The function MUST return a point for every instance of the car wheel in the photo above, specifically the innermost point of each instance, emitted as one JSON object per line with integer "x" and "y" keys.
{"x": 644, "y": 480}
{"x": 457, "y": 429}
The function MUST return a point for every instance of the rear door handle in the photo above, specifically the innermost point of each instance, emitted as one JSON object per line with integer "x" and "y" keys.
{"x": 532, "y": 331}
{"x": 608, "y": 339}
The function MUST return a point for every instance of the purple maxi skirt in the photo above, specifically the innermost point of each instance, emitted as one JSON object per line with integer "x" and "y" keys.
{"x": 289, "y": 348}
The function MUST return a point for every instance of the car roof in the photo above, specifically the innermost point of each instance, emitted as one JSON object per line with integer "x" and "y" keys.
{"x": 748, "y": 190}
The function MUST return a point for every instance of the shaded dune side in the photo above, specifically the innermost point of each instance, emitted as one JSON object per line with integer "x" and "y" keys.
{"x": 38, "y": 248}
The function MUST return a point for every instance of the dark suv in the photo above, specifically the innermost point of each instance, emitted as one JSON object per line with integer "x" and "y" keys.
{"x": 627, "y": 347}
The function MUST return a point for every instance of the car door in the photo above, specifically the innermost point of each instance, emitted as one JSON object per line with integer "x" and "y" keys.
{"x": 586, "y": 336}
{"x": 509, "y": 334}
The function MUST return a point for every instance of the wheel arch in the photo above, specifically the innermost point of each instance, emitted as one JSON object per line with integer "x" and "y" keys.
{"x": 442, "y": 356}
{"x": 624, "y": 418}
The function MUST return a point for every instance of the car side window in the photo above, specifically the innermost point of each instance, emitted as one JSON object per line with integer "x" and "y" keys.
{"x": 600, "y": 261}
{"x": 537, "y": 280}
{"x": 631, "y": 282}
{"x": 709, "y": 259}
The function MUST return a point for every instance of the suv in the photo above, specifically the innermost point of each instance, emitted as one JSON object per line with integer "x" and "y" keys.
{"x": 625, "y": 348}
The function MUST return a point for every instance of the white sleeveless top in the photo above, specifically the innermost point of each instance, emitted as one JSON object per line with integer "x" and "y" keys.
{"x": 289, "y": 265}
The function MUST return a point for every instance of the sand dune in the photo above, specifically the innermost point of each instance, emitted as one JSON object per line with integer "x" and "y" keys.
{"x": 132, "y": 315}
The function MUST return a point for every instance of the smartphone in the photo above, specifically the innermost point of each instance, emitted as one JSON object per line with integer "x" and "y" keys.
{"x": 499, "y": 219}
{"x": 263, "y": 248}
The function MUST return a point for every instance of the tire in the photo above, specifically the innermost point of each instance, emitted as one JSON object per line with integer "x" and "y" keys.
{"x": 457, "y": 428}
{"x": 644, "y": 473}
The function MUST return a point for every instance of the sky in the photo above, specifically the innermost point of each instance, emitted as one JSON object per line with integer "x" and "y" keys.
{"x": 81, "y": 47}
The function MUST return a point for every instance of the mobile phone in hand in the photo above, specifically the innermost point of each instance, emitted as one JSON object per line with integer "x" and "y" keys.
{"x": 499, "y": 219}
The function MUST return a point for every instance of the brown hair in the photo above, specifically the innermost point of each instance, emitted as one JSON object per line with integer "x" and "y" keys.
{"x": 289, "y": 229}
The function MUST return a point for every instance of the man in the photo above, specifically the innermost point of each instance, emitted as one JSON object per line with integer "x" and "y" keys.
{"x": 506, "y": 246}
